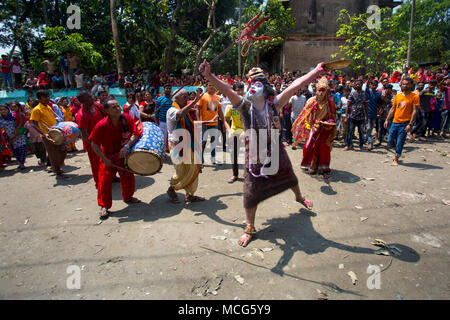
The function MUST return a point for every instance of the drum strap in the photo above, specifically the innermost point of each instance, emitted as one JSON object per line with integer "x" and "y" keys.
{"x": 124, "y": 123}
{"x": 99, "y": 110}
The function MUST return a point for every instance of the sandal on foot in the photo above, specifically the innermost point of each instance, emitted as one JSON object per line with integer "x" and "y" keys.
{"x": 249, "y": 233}
{"x": 104, "y": 213}
{"x": 232, "y": 179}
{"x": 306, "y": 203}
{"x": 193, "y": 199}
{"x": 133, "y": 200}
{"x": 244, "y": 240}
{"x": 250, "y": 230}
{"x": 173, "y": 196}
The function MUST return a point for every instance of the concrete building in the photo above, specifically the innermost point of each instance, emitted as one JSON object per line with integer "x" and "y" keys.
{"x": 314, "y": 37}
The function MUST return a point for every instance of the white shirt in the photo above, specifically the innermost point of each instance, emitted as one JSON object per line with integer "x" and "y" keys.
{"x": 171, "y": 120}
{"x": 344, "y": 102}
{"x": 225, "y": 102}
{"x": 134, "y": 111}
{"x": 16, "y": 68}
{"x": 79, "y": 80}
{"x": 298, "y": 103}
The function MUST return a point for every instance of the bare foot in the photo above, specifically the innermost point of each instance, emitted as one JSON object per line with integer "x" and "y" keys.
{"x": 394, "y": 163}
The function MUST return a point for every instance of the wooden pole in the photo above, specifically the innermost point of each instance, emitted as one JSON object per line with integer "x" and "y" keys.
{"x": 239, "y": 44}
{"x": 411, "y": 28}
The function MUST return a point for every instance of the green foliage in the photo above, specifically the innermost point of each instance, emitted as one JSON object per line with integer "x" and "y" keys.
{"x": 386, "y": 49}
{"x": 58, "y": 41}
{"x": 371, "y": 50}
{"x": 280, "y": 20}
{"x": 146, "y": 29}
{"x": 431, "y": 40}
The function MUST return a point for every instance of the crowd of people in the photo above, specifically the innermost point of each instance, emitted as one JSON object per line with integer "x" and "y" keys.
{"x": 315, "y": 109}
{"x": 66, "y": 72}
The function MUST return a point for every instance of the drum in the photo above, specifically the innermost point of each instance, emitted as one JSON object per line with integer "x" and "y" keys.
{"x": 64, "y": 132}
{"x": 146, "y": 156}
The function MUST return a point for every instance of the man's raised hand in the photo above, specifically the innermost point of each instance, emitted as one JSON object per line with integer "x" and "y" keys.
{"x": 320, "y": 68}
{"x": 205, "y": 68}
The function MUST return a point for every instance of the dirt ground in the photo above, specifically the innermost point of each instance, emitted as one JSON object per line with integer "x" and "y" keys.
{"x": 159, "y": 250}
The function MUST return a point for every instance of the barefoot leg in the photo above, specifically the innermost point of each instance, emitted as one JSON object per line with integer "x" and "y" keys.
{"x": 395, "y": 162}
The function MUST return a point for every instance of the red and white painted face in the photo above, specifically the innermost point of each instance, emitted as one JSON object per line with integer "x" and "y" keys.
{"x": 256, "y": 90}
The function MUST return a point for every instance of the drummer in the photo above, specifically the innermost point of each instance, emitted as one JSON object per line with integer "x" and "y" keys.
{"x": 186, "y": 172}
{"x": 87, "y": 118}
{"x": 111, "y": 139}
{"x": 42, "y": 118}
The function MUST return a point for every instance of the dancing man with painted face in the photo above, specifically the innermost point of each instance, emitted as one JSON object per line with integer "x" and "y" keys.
{"x": 268, "y": 170}
{"x": 317, "y": 124}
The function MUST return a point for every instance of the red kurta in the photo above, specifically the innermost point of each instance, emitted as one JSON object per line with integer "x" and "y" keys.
{"x": 87, "y": 119}
{"x": 111, "y": 139}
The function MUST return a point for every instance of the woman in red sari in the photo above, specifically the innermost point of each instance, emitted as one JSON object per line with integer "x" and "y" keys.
{"x": 317, "y": 124}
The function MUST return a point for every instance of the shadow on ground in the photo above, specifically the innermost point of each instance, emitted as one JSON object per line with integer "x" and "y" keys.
{"x": 161, "y": 208}
{"x": 298, "y": 232}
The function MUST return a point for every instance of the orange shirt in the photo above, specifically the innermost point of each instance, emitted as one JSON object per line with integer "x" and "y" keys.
{"x": 67, "y": 113}
{"x": 209, "y": 107}
{"x": 404, "y": 106}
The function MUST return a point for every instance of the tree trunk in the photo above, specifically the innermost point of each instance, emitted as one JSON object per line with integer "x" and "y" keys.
{"x": 115, "y": 32}
{"x": 44, "y": 9}
{"x": 169, "y": 56}
{"x": 25, "y": 53}
{"x": 411, "y": 29}
{"x": 211, "y": 25}
{"x": 175, "y": 29}
{"x": 58, "y": 14}
{"x": 15, "y": 31}
{"x": 143, "y": 52}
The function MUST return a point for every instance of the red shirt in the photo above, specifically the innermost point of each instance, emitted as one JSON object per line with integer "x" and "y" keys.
{"x": 6, "y": 66}
{"x": 102, "y": 109}
{"x": 42, "y": 79}
{"x": 230, "y": 81}
{"x": 112, "y": 138}
{"x": 87, "y": 119}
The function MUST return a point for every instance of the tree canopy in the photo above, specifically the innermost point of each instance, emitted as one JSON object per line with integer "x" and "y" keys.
{"x": 169, "y": 35}
{"x": 386, "y": 48}
{"x": 174, "y": 35}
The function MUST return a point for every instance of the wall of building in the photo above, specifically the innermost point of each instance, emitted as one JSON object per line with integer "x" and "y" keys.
{"x": 314, "y": 37}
